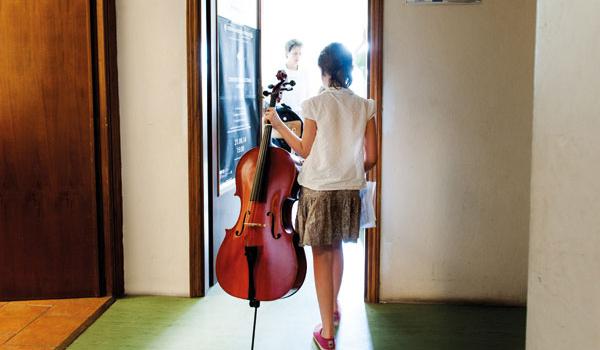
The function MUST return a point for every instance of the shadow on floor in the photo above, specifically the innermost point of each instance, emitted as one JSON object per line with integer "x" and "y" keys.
{"x": 446, "y": 327}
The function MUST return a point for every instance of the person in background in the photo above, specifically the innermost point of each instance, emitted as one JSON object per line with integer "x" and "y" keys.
{"x": 294, "y": 98}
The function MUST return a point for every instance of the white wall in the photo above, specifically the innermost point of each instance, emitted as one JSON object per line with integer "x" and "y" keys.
{"x": 564, "y": 261}
{"x": 456, "y": 150}
{"x": 151, "y": 37}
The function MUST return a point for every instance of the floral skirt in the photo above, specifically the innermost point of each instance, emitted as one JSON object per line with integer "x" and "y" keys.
{"x": 328, "y": 217}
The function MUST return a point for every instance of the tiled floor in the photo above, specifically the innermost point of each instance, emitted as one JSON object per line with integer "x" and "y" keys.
{"x": 46, "y": 324}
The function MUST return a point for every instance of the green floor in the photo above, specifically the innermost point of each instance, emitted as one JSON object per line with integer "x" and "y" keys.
{"x": 219, "y": 321}
{"x": 178, "y": 323}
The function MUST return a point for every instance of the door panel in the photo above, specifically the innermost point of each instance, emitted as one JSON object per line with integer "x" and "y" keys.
{"x": 48, "y": 215}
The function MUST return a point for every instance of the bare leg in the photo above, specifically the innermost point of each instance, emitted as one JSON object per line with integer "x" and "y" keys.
{"x": 338, "y": 272}
{"x": 323, "y": 262}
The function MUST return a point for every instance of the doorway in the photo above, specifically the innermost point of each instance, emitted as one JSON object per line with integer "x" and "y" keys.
{"x": 202, "y": 116}
{"x": 289, "y": 29}
{"x": 314, "y": 25}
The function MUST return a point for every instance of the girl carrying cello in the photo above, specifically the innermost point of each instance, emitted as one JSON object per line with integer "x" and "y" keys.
{"x": 339, "y": 144}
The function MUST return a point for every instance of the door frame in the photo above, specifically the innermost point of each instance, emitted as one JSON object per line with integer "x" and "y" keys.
{"x": 108, "y": 147}
{"x": 373, "y": 235}
{"x": 195, "y": 149}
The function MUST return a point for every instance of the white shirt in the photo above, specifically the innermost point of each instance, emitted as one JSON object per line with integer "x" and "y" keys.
{"x": 299, "y": 93}
{"x": 336, "y": 159}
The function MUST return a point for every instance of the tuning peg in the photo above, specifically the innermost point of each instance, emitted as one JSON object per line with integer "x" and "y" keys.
{"x": 266, "y": 93}
{"x": 292, "y": 83}
{"x": 271, "y": 86}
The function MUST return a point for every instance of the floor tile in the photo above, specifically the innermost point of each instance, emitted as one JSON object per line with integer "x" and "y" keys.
{"x": 22, "y": 310}
{"x": 46, "y": 324}
{"x": 26, "y": 347}
{"x": 46, "y": 331}
{"x": 15, "y": 317}
{"x": 76, "y": 308}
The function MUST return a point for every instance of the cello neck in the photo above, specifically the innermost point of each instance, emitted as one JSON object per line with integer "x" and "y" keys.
{"x": 259, "y": 184}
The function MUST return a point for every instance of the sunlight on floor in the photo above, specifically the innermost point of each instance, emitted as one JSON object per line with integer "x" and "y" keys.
{"x": 354, "y": 329}
{"x": 286, "y": 322}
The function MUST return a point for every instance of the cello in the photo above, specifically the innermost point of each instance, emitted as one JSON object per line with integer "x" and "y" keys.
{"x": 259, "y": 259}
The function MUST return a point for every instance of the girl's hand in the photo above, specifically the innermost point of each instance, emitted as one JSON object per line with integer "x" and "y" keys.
{"x": 272, "y": 117}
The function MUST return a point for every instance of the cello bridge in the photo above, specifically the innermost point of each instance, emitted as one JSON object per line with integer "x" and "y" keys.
{"x": 252, "y": 224}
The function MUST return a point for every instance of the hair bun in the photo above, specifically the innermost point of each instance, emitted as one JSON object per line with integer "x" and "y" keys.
{"x": 336, "y": 61}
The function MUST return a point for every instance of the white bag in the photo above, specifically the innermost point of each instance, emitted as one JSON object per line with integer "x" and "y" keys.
{"x": 367, "y": 205}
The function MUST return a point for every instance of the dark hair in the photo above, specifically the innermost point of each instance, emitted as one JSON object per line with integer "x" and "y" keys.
{"x": 291, "y": 44}
{"x": 336, "y": 61}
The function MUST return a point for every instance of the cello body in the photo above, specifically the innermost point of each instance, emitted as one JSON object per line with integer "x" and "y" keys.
{"x": 280, "y": 266}
{"x": 259, "y": 259}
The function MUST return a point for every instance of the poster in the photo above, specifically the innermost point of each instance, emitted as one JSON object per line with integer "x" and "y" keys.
{"x": 238, "y": 114}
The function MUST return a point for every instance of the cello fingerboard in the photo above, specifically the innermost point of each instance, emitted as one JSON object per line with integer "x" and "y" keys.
{"x": 259, "y": 185}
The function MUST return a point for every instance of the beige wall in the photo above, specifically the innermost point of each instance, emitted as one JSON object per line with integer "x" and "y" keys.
{"x": 456, "y": 153}
{"x": 457, "y": 114}
{"x": 153, "y": 97}
{"x": 564, "y": 265}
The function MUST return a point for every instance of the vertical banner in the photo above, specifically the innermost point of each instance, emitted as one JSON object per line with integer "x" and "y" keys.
{"x": 238, "y": 112}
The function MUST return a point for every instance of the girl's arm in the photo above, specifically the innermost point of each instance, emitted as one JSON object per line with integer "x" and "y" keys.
{"x": 301, "y": 146}
{"x": 370, "y": 145}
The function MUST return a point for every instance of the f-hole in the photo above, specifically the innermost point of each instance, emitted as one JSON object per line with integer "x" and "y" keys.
{"x": 239, "y": 233}
{"x": 276, "y": 236}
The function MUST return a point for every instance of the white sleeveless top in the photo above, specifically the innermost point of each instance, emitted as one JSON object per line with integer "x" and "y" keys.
{"x": 336, "y": 159}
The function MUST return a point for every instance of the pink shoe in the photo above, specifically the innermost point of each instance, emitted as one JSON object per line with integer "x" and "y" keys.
{"x": 323, "y": 343}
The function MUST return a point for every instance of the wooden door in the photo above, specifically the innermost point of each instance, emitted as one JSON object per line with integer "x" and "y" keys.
{"x": 49, "y": 236}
